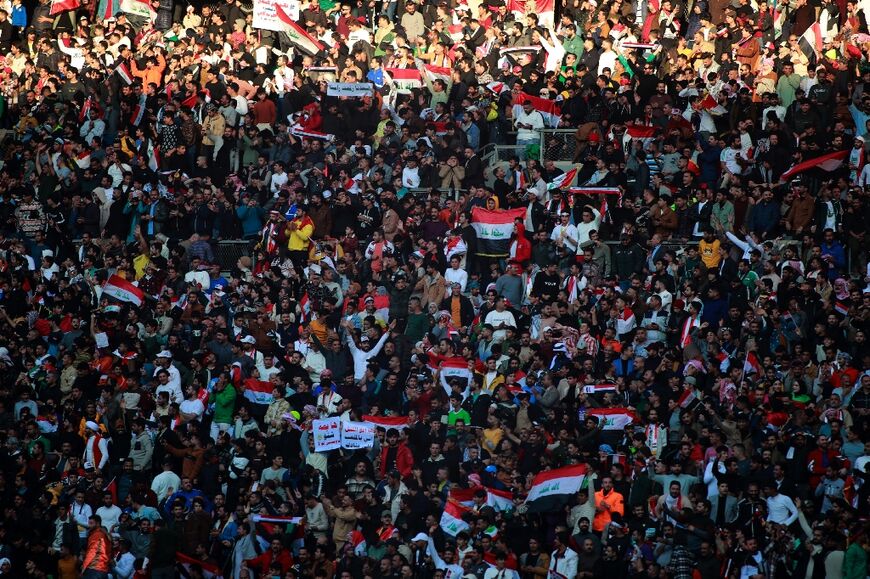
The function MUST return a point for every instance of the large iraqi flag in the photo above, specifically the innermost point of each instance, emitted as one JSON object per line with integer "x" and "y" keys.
{"x": 494, "y": 229}
{"x": 552, "y": 489}
{"x": 829, "y": 162}
{"x": 122, "y": 290}
{"x": 455, "y": 368}
{"x": 297, "y": 34}
{"x": 614, "y": 418}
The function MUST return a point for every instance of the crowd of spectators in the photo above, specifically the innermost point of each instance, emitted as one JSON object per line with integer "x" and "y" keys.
{"x": 682, "y": 307}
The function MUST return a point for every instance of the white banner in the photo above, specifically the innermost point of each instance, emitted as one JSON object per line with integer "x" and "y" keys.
{"x": 356, "y": 435}
{"x": 349, "y": 89}
{"x": 265, "y": 17}
{"x": 327, "y": 434}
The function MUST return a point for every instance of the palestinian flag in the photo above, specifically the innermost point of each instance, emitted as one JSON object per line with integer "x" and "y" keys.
{"x": 549, "y": 109}
{"x": 58, "y": 6}
{"x": 122, "y": 290}
{"x": 455, "y": 368}
{"x": 185, "y": 565}
{"x": 494, "y": 229}
{"x": 829, "y": 162}
{"x": 387, "y": 422}
{"x": 297, "y": 34}
{"x": 553, "y": 488}
{"x": 562, "y": 181}
{"x": 259, "y": 391}
{"x": 599, "y": 388}
{"x": 153, "y": 157}
{"x": 614, "y": 418}
{"x": 451, "y": 518}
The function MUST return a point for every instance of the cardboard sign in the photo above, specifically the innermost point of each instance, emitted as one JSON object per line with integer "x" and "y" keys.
{"x": 265, "y": 17}
{"x": 327, "y": 434}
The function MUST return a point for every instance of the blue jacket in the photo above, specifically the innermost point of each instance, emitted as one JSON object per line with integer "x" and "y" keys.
{"x": 764, "y": 217}
{"x": 19, "y": 16}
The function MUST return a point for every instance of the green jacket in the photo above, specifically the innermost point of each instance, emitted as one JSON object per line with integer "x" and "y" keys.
{"x": 855, "y": 562}
{"x": 224, "y": 404}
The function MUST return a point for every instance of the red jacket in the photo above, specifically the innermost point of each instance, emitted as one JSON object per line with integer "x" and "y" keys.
{"x": 98, "y": 553}
{"x": 262, "y": 562}
{"x": 817, "y": 462}
{"x": 404, "y": 460}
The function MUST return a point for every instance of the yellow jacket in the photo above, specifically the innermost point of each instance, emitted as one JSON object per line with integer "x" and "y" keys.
{"x": 299, "y": 238}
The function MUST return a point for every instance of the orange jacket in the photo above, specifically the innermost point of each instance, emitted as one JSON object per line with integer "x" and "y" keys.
{"x": 612, "y": 503}
{"x": 98, "y": 553}
{"x": 150, "y": 73}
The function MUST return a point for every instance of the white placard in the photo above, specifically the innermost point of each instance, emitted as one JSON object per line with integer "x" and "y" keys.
{"x": 265, "y": 17}
{"x": 356, "y": 435}
{"x": 327, "y": 434}
{"x": 349, "y": 89}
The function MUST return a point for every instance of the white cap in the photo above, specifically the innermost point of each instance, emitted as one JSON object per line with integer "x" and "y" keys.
{"x": 91, "y": 425}
{"x": 164, "y": 354}
{"x": 420, "y": 537}
{"x": 248, "y": 340}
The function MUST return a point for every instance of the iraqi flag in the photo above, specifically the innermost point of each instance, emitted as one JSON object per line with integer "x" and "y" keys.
{"x": 543, "y": 8}
{"x": 58, "y": 6}
{"x": 259, "y": 391}
{"x": 123, "y": 72}
{"x": 441, "y": 73}
{"x": 640, "y": 131}
{"x": 83, "y": 160}
{"x": 124, "y": 291}
{"x": 549, "y": 109}
{"x": 841, "y": 309}
{"x": 297, "y": 34}
{"x": 455, "y": 368}
{"x": 553, "y": 488}
{"x": 405, "y": 79}
{"x": 829, "y": 162}
{"x": 451, "y": 518}
{"x": 494, "y": 229}
{"x": 185, "y": 565}
{"x": 455, "y": 246}
{"x": 277, "y": 520}
{"x": 711, "y": 105}
{"x": 751, "y": 364}
{"x": 153, "y": 157}
{"x": 387, "y": 422}
{"x": 687, "y": 399}
{"x": 811, "y": 42}
{"x": 138, "y": 8}
{"x": 562, "y": 181}
{"x": 86, "y": 109}
{"x": 500, "y": 500}
{"x": 614, "y": 418}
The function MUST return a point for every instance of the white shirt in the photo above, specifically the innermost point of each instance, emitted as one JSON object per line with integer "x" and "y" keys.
{"x": 569, "y": 238}
{"x": 411, "y": 177}
{"x": 534, "y": 118}
{"x": 564, "y": 565}
{"x": 278, "y": 180}
{"x": 173, "y": 386}
{"x": 781, "y": 510}
{"x": 495, "y": 318}
{"x": 457, "y": 275}
{"x": 109, "y": 516}
{"x": 163, "y": 482}
{"x": 194, "y": 407}
{"x": 81, "y": 514}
